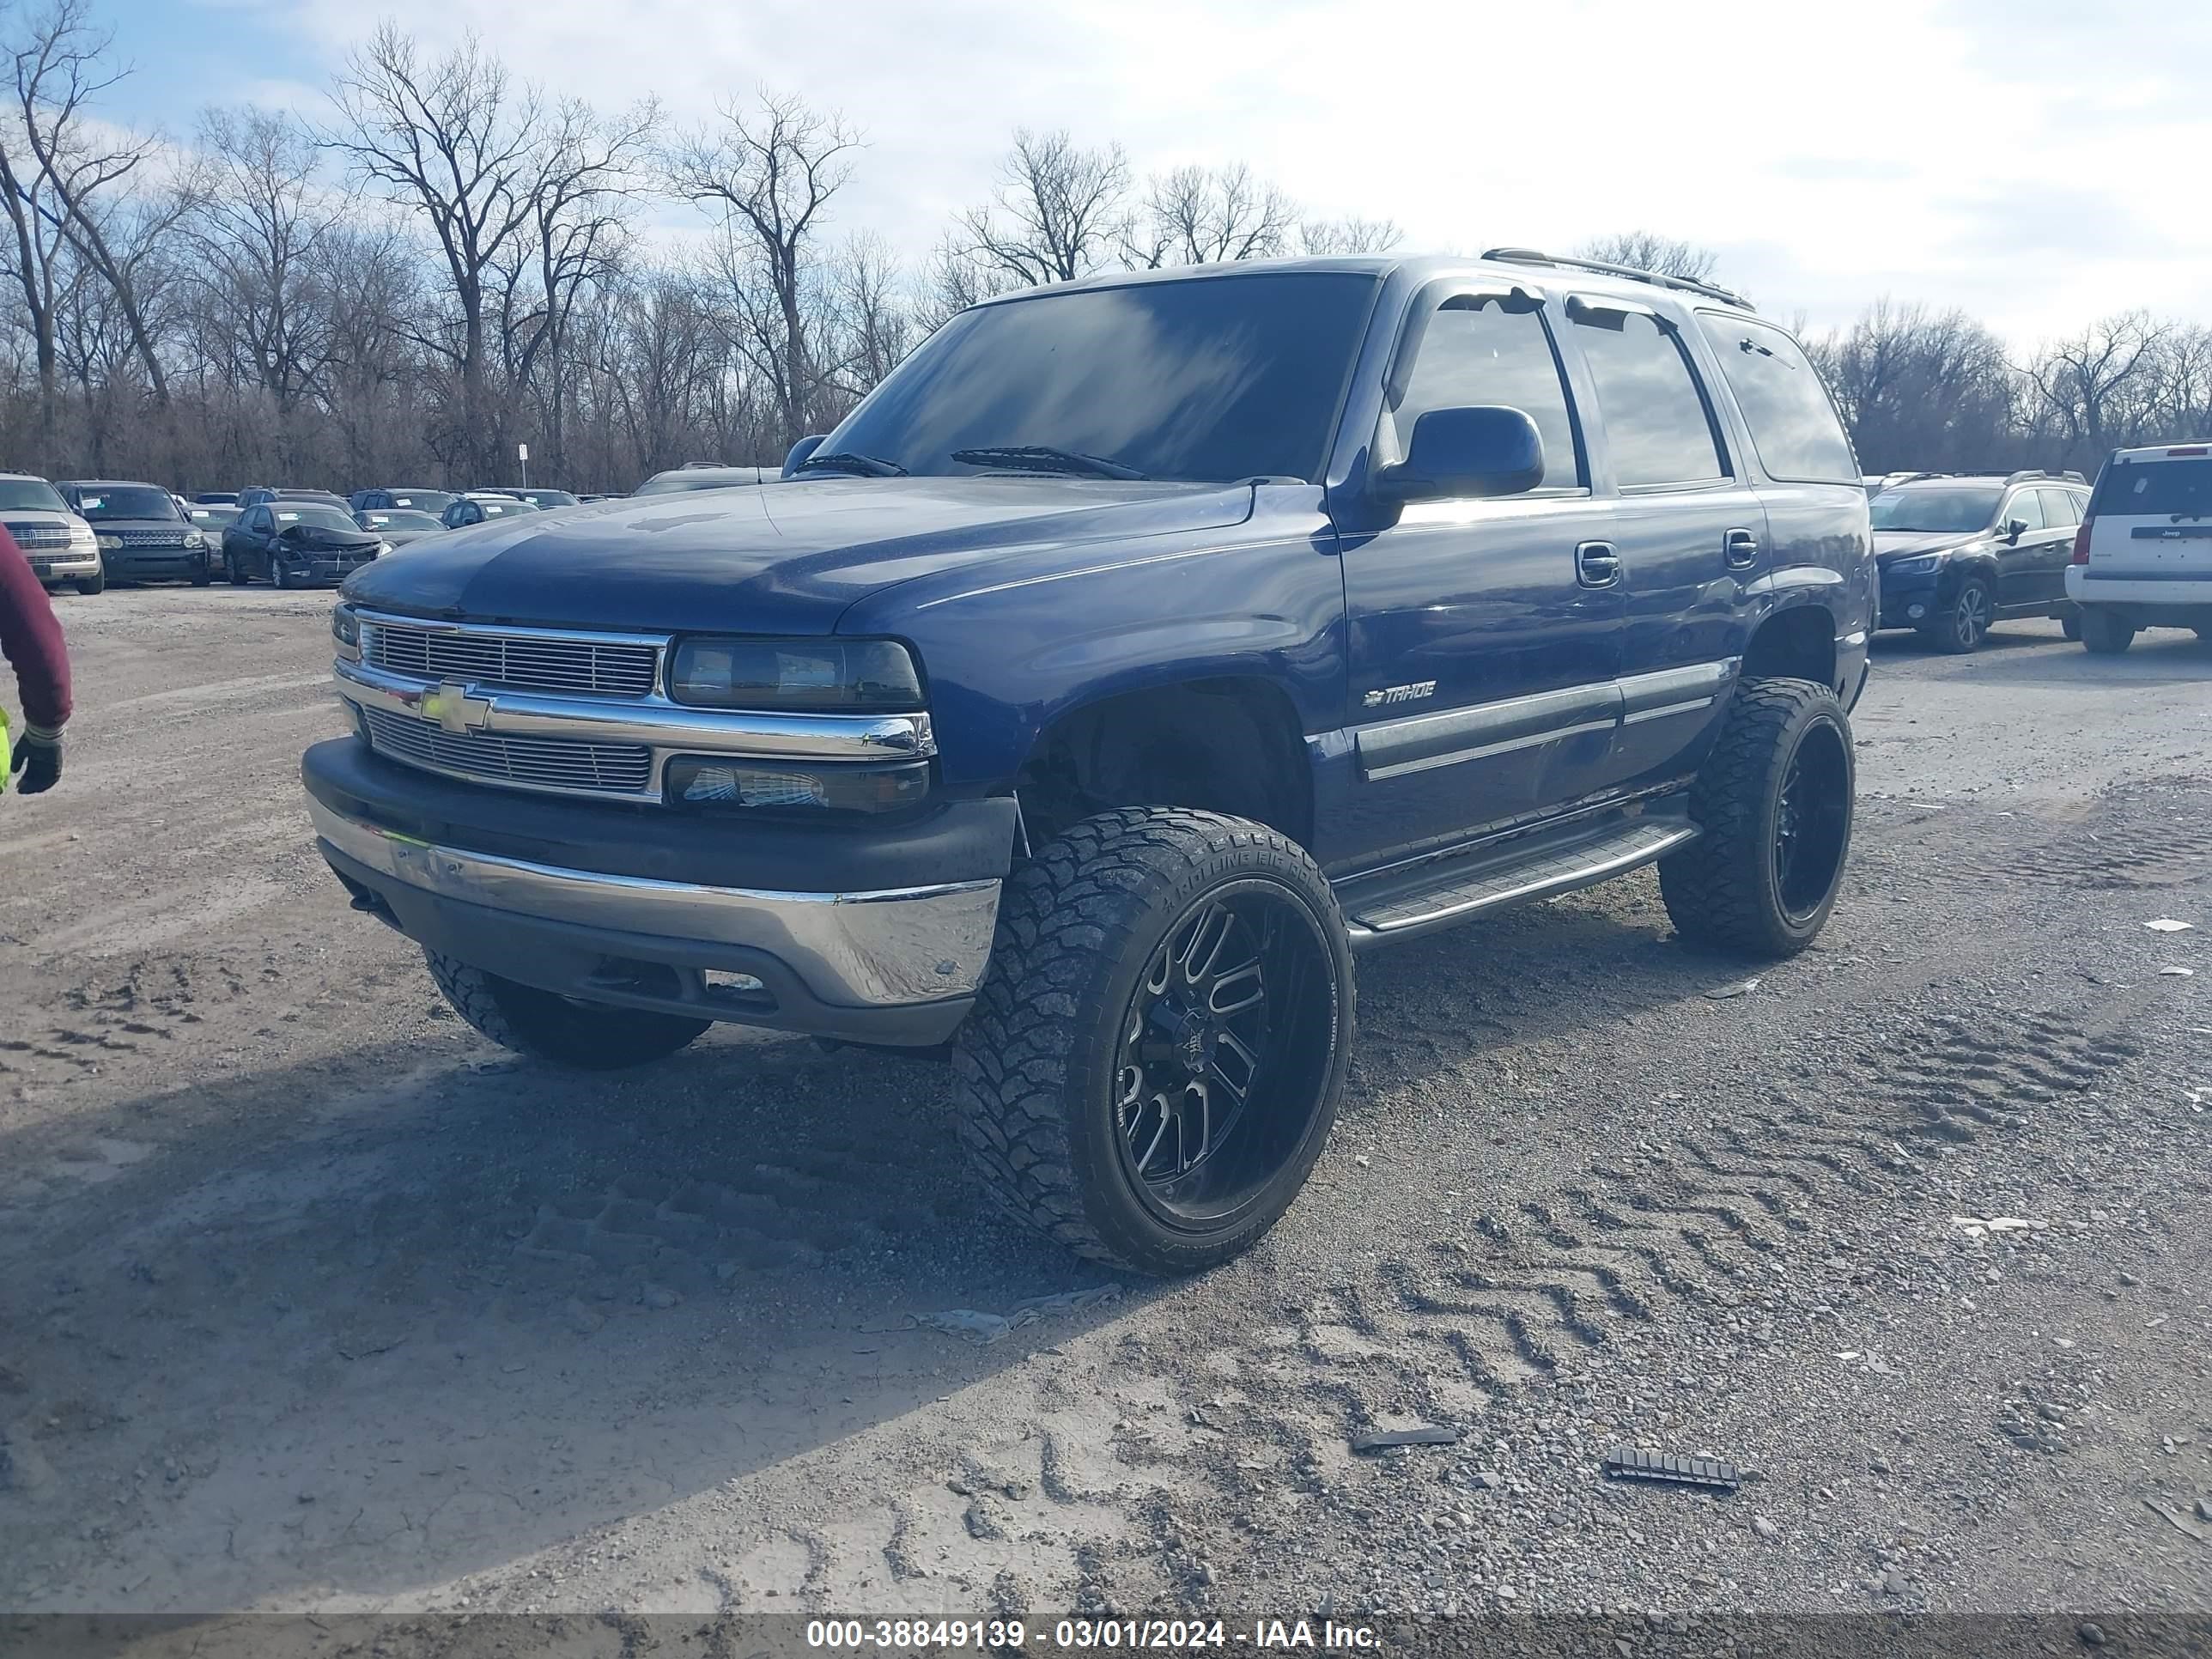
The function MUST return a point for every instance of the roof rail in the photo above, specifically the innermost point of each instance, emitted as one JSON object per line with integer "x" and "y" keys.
{"x": 1529, "y": 255}
{"x": 2025, "y": 473}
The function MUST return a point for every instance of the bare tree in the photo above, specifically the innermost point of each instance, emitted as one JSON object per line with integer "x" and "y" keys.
{"x": 769, "y": 172}
{"x": 1644, "y": 249}
{"x": 1054, "y": 216}
{"x": 588, "y": 176}
{"x": 874, "y": 329}
{"x": 1198, "y": 215}
{"x": 261, "y": 223}
{"x": 1352, "y": 235}
{"x": 2098, "y": 386}
{"x": 951, "y": 282}
{"x": 453, "y": 139}
{"x": 1921, "y": 389}
{"x": 60, "y": 170}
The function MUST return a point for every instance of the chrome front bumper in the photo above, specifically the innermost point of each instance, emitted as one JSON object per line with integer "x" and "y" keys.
{"x": 64, "y": 566}
{"x": 828, "y": 961}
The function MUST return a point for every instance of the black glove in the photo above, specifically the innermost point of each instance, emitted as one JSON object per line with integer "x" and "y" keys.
{"x": 39, "y": 765}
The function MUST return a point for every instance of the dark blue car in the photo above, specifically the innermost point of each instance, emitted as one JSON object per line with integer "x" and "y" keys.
{"x": 1138, "y": 651}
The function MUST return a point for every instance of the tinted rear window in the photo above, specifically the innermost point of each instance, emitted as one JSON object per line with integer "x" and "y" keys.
{"x": 2177, "y": 488}
{"x": 1792, "y": 423}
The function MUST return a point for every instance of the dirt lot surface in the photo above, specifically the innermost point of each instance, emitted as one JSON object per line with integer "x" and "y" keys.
{"x": 310, "y": 1299}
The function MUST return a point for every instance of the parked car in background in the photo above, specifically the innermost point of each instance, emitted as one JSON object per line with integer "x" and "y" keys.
{"x": 480, "y": 506}
{"x": 143, "y": 534}
{"x": 1958, "y": 551}
{"x": 261, "y": 493}
{"x": 545, "y": 499}
{"x": 398, "y": 524}
{"x": 699, "y": 476}
{"x": 405, "y": 497}
{"x": 2143, "y": 557}
{"x": 59, "y": 544}
{"x": 216, "y": 498}
{"x": 585, "y": 501}
{"x": 296, "y": 543}
{"x": 211, "y": 519}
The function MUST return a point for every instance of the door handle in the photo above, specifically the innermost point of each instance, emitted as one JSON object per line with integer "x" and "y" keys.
{"x": 1741, "y": 549}
{"x": 1597, "y": 564}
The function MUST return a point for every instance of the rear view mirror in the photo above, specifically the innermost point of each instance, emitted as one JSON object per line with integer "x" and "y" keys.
{"x": 1484, "y": 450}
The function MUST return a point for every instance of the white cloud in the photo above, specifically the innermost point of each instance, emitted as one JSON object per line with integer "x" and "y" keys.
{"x": 2023, "y": 158}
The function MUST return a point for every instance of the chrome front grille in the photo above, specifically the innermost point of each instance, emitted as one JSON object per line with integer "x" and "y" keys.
{"x": 522, "y": 662}
{"x": 152, "y": 537}
{"x": 617, "y": 769}
{"x": 41, "y": 536}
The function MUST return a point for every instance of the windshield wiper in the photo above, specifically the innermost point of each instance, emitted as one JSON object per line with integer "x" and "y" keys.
{"x": 867, "y": 466}
{"x": 1042, "y": 458}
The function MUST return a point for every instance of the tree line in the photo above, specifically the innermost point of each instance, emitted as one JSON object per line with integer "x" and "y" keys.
{"x": 444, "y": 261}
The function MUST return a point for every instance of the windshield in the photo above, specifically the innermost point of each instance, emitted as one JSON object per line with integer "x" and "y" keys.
{"x": 30, "y": 495}
{"x": 125, "y": 501}
{"x": 213, "y": 514}
{"x": 432, "y": 502}
{"x": 1211, "y": 377}
{"x": 549, "y": 498}
{"x": 2176, "y": 489}
{"x": 397, "y": 521}
{"x": 291, "y": 514}
{"x": 505, "y": 509}
{"x": 1938, "y": 511}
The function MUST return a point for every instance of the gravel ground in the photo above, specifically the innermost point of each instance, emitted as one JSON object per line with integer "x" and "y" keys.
{"x": 310, "y": 1300}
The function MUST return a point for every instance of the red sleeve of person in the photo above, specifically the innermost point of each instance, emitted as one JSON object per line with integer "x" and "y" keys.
{"x": 31, "y": 640}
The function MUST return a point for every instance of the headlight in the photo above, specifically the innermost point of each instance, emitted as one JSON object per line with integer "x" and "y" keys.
{"x": 194, "y": 541}
{"x": 110, "y": 544}
{"x": 697, "y": 780}
{"x": 1917, "y": 567}
{"x": 823, "y": 675}
{"x": 81, "y": 533}
{"x": 345, "y": 628}
{"x": 383, "y": 548}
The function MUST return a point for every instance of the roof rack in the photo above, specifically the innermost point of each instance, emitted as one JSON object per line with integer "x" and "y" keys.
{"x": 1529, "y": 255}
{"x": 2018, "y": 475}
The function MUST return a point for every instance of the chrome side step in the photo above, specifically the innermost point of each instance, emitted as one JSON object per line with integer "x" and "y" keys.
{"x": 1381, "y": 911}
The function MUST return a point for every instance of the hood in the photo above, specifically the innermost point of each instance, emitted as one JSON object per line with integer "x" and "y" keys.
{"x": 787, "y": 558}
{"x": 316, "y": 535}
{"x": 1889, "y": 544}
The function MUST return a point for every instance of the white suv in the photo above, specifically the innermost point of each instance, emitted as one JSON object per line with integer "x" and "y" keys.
{"x": 60, "y": 545}
{"x": 2143, "y": 556}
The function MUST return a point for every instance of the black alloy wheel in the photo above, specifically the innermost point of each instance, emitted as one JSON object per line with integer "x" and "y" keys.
{"x": 1811, "y": 823}
{"x": 1962, "y": 626}
{"x": 1155, "y": 1057}
{"x": 1219, "y": 1072}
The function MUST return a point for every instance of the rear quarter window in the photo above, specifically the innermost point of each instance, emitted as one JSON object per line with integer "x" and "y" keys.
{"x": 1793, "y": 422}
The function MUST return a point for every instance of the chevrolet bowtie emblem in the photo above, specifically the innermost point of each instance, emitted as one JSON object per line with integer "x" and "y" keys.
{"x": 455, "y": 710}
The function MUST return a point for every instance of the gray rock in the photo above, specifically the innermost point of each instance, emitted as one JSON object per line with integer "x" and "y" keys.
{"x": 2092, "y": 1636}
{"x": 1765, "y": 1528}
{"x": 659, "y": 1296}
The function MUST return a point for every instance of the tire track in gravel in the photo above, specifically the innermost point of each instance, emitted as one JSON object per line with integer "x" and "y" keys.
{"x": 1690, "y": 1222}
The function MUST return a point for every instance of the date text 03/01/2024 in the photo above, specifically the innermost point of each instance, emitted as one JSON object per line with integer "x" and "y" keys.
{"x": 999, "y": 1635}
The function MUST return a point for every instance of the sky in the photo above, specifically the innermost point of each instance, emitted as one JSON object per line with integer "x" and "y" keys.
{"x": 2037, "y": 163}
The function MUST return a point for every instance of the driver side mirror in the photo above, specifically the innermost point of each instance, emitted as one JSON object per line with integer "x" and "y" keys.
{"x": 2014, "y": 529}
{"x": 799, "y": 451}
{"x": 1481, "y": 451}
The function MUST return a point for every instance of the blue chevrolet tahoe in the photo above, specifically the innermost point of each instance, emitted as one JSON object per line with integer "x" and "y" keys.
{"x": 1139, "y": 651}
